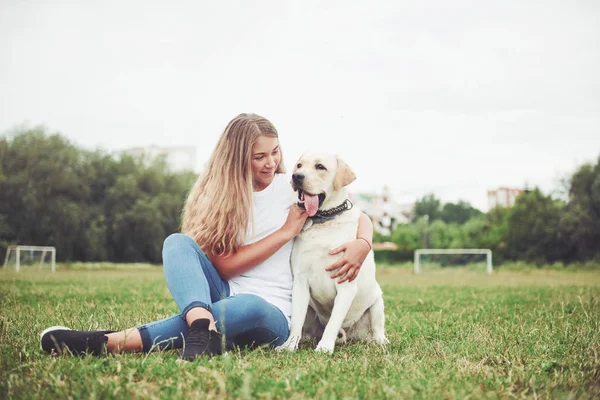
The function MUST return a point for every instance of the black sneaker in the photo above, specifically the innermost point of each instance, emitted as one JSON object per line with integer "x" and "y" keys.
{"x": 200, "y": 340}
{"x": 62, "y": 340}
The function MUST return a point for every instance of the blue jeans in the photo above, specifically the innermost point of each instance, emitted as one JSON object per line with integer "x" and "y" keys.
{"x": 244, "y": 319}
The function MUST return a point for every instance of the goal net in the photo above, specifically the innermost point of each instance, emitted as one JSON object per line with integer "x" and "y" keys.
{"x": 421, "y": 252}
{"x": 20, "y": 257}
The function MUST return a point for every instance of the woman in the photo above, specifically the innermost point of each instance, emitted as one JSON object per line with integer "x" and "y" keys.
{"x": 229, "y": 270}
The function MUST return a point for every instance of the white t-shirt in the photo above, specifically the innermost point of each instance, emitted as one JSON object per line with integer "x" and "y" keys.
{"x": 272, "y": 279}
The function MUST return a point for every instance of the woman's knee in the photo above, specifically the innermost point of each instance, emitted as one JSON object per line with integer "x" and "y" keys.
{"x": 176, "y": 245}
{"x": 176, "y": 249}
{"x": 177, "y": 241}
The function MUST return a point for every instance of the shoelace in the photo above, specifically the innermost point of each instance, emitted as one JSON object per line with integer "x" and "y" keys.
{"x": 199, "y": 337}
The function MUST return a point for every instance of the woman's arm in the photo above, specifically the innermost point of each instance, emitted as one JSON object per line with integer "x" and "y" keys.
{"x": 249, "y": 256}
{"x": 365, "y": 230}
{"x": 355, "y": 252}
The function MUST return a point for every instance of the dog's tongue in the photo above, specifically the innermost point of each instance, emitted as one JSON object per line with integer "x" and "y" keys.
{"x": 311, "y": 203}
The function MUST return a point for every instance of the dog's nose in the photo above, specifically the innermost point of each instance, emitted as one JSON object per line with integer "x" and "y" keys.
{"x": 298, "y": 177}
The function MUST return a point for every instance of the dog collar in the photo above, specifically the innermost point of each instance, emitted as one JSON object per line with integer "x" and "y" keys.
{"x": 327, "y": 215}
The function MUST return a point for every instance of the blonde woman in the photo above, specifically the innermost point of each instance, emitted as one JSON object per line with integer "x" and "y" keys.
{"x": 229, "y": 270}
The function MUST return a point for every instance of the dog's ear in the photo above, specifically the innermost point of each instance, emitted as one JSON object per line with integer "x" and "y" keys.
{"x": 343, "y": 175}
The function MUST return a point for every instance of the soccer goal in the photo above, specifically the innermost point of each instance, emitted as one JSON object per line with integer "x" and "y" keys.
{"x": 420, "y": 252}
{"x": 30, "y": 256}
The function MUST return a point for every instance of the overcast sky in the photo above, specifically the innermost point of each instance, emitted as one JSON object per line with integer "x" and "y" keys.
{"x": 451, "y": 97}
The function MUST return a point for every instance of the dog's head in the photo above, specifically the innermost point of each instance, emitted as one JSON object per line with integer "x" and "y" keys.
{"x": 319, "y": 179}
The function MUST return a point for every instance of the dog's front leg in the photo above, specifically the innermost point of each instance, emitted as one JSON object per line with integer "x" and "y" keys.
{"x": 343, "y": 300}
{"x": 300, "y": 300}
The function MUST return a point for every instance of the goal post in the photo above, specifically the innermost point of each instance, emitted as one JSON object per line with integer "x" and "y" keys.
{"x": 19, "y": 251}
{"x": 420, "y": 252}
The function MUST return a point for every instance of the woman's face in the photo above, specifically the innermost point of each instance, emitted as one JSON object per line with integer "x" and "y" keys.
{"x": 265, "y": 159}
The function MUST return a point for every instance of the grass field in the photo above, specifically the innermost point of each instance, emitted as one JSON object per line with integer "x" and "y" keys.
{"x": 454, "y": 334}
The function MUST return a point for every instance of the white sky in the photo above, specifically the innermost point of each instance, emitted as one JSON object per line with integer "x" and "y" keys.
{"x": 451, "y": 97}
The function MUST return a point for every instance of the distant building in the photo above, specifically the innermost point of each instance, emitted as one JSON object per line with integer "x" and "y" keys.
{"x": 178, "y": 159}
{"x": 503, "y": 197}
{"x": 385, "y": 211}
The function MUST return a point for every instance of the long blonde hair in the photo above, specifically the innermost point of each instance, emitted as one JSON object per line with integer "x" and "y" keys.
{"x": 219, "y": 209}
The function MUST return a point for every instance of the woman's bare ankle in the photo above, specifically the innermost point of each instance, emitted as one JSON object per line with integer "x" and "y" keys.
{"x": 125, "y": 341}
{"x": 200, "y": 313}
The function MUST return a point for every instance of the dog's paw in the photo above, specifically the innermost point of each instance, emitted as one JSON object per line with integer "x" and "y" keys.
{"x": 289, "y": 345}
{"x": 381, "y": 340}
{"x": 321, "y": 348}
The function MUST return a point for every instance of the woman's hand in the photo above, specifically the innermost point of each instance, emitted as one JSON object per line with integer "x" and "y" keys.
{"x": 294, "y": 222}
{"x": 348, "y": 266}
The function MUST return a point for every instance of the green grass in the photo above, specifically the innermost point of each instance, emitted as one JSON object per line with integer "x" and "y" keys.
{"x": 454, "y": 333}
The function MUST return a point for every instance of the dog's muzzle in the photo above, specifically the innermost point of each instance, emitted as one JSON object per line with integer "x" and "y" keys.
{"x": 298, "y": 180}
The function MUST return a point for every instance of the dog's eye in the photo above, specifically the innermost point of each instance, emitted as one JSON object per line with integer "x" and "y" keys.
{"x": 298, "y": 165}
{"x": 320, "y": 166}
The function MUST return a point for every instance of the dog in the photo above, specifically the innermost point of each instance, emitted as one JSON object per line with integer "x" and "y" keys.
{"x": 322, "y": 307}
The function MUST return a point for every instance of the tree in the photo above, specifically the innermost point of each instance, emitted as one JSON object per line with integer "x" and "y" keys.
{"x": 488, "y": 231}
{"x": 458, "y": 213}
{"x": 41, "y": 195}
{"x": 89, "y": 205}
{"x": 581, "y": 219}
{"x": 407, "y": 237}
{"x": 428, "y": 205}
{"x": 444, "y": 236}
{"x": 534, "y": 228}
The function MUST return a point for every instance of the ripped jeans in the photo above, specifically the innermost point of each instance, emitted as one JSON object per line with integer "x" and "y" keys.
{"x": 244, "y": 319}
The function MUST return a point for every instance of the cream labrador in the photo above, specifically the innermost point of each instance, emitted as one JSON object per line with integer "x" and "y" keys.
{"x": 351, "y": 310}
